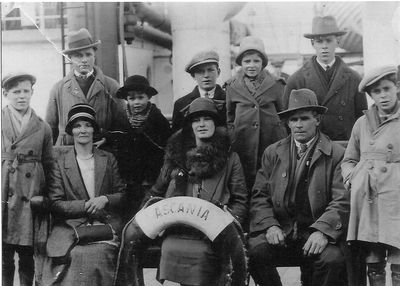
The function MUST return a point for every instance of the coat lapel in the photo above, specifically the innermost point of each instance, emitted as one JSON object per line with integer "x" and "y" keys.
{"x": 283, "y": 151}
{"x": 73, "y": 175}
{"x": 7, "y": 129}
{"x": 239, "y": 87}
{"x": 100, "y": 165}
{"x": 32, "y": 127}
{"x": 267, "y": 83}
{"x": 313, "y": 82}
{"x": 340, "y": 78}
{"x": 210, "y": 185}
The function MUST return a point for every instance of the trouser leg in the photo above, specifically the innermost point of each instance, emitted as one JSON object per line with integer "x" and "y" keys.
{"x": 8, "y": 266}
{"x": 330, "y": 268}
{"x": 376, "y": 273}
{"x": 395, "y": 274}
{"x": 26, "y": 265}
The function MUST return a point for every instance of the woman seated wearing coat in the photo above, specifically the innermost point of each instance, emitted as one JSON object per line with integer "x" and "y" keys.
{"x": 198, "y": 163}
{"x": 86, "y": 193}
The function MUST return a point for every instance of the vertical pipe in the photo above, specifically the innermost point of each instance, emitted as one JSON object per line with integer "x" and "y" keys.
{"x": 62, "y": 36}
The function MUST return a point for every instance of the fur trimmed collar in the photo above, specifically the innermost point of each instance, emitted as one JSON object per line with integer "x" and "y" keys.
{"x": 200, "y": 162}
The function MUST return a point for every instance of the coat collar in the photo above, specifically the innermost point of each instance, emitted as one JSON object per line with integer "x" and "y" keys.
{"x": 32, "y": 127}
{"x": 372, "y": 117}
{"x": 72, "y": 171}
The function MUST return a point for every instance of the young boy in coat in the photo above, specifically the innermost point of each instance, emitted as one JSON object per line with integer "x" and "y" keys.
{"x": 26, "y": 157}
{"x": 371, "y": 168}
{"x": 253, "y": 99}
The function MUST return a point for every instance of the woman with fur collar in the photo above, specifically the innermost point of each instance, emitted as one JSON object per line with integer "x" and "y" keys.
{"x": 199, "y": 163}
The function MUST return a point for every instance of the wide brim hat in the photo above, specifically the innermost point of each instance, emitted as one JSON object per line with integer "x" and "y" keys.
{"x": 252, "y": 43}
{"x": 138, "y": 83}
{"x": 9, "y": 78}
{"x": 81, "y": 111}
{"x": 80, "y": 40}
{"x": 203, "y": 57}
{"x": 324, "y": 26}
{"x": 202, "y": 106}
{"x": 302, "y": 99}
{"x": 375, "y": 74}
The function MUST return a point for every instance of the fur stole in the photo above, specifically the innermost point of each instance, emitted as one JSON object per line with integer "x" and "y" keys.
{"x": 198, "y": 162}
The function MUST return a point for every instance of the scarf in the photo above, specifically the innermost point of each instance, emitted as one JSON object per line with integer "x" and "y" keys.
{"x": 137, "y": 120}
{"x": 253, "y": 84}
{"x": 19, "y": 122}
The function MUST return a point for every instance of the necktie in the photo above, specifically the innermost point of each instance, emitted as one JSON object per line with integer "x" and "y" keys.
{"x": 327, "y": 68}
{"x": 302, "y": 149}
{"x": 207, "y": 95}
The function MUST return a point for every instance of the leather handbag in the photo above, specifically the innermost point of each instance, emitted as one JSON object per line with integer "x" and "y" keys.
{"x": 91, "y": 233}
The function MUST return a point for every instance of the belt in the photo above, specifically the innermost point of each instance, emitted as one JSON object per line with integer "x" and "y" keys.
{"x": 18, "y": 158}
{"x": 388, "y": 157}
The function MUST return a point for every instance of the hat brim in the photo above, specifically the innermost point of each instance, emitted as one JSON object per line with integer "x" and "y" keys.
{"x": 365, "y": 85}
{"x": 123, "y": 91}
{"x": 313, "y": 36}
{"x": 69, "y": 51}
{"x": 215, "y": 116}
{"x": 240, "y": 57}
{"x": 210, "y": 61}
{"x": 26, "y": 76}
{"x": 319, "y": 109}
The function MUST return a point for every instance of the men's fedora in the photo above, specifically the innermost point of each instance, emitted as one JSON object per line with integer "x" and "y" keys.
{"x": 324, "y": 26}
{"x": 80, "y": 40}
{"x": 302, "y": 99}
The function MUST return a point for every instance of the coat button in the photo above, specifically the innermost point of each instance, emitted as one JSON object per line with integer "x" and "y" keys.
{"x": 383, "y": 169}
{"x": 30, "y": 153}
{"x": 12, "y": 170}
{"x": 255, "y": 124}
{"x": 284, "y": 175}
{"x": 10, "y": 194}
{"x": 13, "y": 147}
{"x": 338, "y": 226}
{"x": 372, "y": 142}
{"x": 340, "y": 117}
{"x": 28, "y": 175}
{"x": 278, "y": 203}
{"x": 343, "y": 103}
{"x": 390, "y": 146}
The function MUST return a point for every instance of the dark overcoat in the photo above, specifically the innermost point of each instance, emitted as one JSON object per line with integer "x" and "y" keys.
{"x": 329, "y": 201}
{"x": 253, "y": 120}
{"x": 181, "y": 105}
{"x": 101, "y": 96}
{"x": 345, "y": 104}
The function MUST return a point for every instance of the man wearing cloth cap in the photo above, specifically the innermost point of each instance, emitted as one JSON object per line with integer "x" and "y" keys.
{"x": 204, "y": 69}
{"x": 299, "y": 207}
{"x": 85, "y": 83}
{"x": 335, "y": 84}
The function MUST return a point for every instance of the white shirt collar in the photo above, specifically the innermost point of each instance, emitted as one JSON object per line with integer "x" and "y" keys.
{"x": 210, "y": 93}
{"x": 323, "y": 65}
{"x": 78, "y": 74}
{"x": 308, "y": 143}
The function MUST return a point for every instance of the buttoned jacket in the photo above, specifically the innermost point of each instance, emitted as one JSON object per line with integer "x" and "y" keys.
{"x": 329, "y": 201}
{"x": 101, "y": 96}
{"x": 345, "y": 104}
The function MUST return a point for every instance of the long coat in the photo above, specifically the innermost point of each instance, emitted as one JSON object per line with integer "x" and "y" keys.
{"x": 329, "y": 201}
{"x": 25, "y": 163}
{"x": 253, "y": 120}
{"x": 180, "y": 106}
{"x": 345, "y": 104}
{"x": 372, "y": 166}
{"x": 67, "y": 92}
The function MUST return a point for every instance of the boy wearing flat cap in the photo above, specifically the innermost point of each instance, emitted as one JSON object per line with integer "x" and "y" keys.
{"x": 335, "y": 84}
{"x": 85, "y": 83}
{"x": 26, "y": 154}
{"x": 371, "y": 168}
{"x": 204, "y": 69}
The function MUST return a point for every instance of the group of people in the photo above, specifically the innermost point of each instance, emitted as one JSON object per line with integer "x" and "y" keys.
{"x": 261, "y": 147}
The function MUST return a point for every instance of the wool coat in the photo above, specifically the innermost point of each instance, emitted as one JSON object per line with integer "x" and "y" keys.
{"x": 222, "y": 183}
{"x": 329, "y": 201}
{"x": 253, "y": 120}
{"x": 181, "y": 105}
{"x": 25, "y": 163}
{"x": 372, "y": 166}
{"x": 345, "y": 104}
{"x": 101, "y": 96}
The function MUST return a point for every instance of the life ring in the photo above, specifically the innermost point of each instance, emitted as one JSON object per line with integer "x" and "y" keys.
{"x": 218, "y": 225}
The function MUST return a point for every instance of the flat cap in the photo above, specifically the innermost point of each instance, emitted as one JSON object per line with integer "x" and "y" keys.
{"x": 18, "y": 75}
{"x": 374, "y": 75}
{"x": 203, "y": 57}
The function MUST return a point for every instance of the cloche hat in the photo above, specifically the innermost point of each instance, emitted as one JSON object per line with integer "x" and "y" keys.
{"x": 252, "y": 43}
{"x": 81, "y": 111}
{"x": 302, "y": 99}
{"x": 324, "y": 26}
{"x": 136, "y": 82}
{"x": 202, "y": 106}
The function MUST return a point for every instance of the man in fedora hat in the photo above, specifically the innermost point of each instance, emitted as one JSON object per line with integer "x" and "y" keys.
{"x": 204, "y": 69}
{"x": 85, "y": 83}
{"x": 299, "y": 207}
{"x": 335, "y": 84}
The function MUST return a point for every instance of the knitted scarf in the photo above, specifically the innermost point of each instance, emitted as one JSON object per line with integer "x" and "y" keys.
{"x": 137, "y": 120}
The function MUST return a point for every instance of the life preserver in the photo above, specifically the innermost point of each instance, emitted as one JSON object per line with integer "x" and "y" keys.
{"x": 218, "y": 225}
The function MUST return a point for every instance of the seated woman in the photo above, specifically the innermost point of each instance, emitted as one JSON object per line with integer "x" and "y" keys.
{"x": 198, "y": 163}
{"x": 86, "y": 193}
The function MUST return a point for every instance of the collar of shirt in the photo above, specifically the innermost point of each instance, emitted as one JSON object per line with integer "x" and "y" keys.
{"x": 308, "y": 143}
{"x": 210, "y": 93}
{"x": 84, "y": 76}
{"x": 18, "y": 115}
{"x": 323, "y": 65}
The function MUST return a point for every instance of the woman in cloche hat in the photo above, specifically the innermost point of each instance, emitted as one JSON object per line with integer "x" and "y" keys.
{"x": 199, "y": 162}
{"x": 253, "y": 98}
